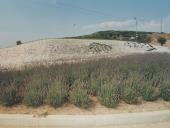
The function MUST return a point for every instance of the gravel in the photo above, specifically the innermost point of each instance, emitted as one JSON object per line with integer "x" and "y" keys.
{"x": 49, "y": 51}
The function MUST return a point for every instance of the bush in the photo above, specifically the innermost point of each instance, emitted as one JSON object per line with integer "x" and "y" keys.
{"x": 94, "y": 86}
{"x": 150, "y": 93}
{"x": 162, "y": 41}
{"x": 79, "y": 95}
{"x": 132, "y": 83}
{"x": 36, "y": 92}
{"x": 33, "y": 98}
{"x": 90, "y": 78}
{"x": 165, "y": 92}
{"x": 109, "y": 95}
{"x": 130, "y": 96}
{"x": 57, "y": 95}
{"x": 18, "y": 42}
{"x": 9, "y": 96}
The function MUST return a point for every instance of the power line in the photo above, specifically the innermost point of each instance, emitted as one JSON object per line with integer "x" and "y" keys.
{"x": 82, "y": 9}
{"x": 92, "y": 11}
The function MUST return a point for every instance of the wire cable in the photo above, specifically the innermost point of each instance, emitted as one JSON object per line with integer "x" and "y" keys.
{"x": 82, "y": 9}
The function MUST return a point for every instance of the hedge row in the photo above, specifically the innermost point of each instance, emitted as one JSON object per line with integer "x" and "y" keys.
{"x": 111, "y": 80}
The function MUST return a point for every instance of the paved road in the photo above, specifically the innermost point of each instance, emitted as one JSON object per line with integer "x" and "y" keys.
{"x": 121, "y": 120}
{"x": 155, "y": 125}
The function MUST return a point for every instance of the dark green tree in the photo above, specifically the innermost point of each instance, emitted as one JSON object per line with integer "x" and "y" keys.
{"x": 18, "y": 42}
{"x": 162, "y": 41}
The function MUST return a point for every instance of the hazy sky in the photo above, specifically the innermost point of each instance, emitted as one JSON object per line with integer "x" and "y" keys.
{"x": 33, "y": 19}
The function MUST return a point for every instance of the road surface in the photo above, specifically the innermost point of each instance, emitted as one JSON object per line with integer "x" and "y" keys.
{"x": 127, "y": 120}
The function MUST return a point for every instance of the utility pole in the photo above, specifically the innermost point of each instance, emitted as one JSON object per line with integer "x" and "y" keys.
{"x": 136, "y": 36}
{"x": 161, "y": 25}
{"x": 74, "y": 30}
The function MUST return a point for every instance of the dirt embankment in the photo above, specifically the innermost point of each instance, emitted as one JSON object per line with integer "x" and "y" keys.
{"x": 96, "y": 109}
{"x": 155, "y": 36}
{"x": 51, "y": 51}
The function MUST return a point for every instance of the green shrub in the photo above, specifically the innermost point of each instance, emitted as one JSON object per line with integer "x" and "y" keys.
{"x": 79, "y": 95}
{"x": 150, "y": 93}
{"x": 165, "y": 92}
{"x": 18, "y": 42}
{"x": 109, "y": 95}
{"x": 132, "y": 83}
{"x": 33, "y": 83}
{"x": 162, "y": 41}
{"x": 57, "y": 94}
{"x": 94, "y": 86}
{"x": 9, "y": 96}
{"x": 33, "y": 98}
{"x": 36, "y": 92}
{"x": 130, "y": 95}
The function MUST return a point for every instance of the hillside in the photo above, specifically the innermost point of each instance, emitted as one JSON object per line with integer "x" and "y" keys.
{"x": 49, "y": 51}
{"x": 125, "y": 36}
{"x": 83, "y": 88}
{"x": 115, "y": 35}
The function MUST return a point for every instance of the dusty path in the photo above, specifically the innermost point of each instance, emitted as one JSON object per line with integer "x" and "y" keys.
{"x": 86, "y": 120}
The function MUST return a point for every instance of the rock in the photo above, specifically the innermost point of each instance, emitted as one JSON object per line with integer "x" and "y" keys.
{"x": 98, "y": 47}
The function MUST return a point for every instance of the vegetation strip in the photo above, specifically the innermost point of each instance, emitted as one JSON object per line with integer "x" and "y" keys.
{"x": 130, "y": 78}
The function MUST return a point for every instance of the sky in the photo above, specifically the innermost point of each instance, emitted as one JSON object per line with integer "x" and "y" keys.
{"x": 28, "y": 20}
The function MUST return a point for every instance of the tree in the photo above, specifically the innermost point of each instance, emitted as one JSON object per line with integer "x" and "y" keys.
{"x": 18, "y": 42}
{"x": 162, "y": 41}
